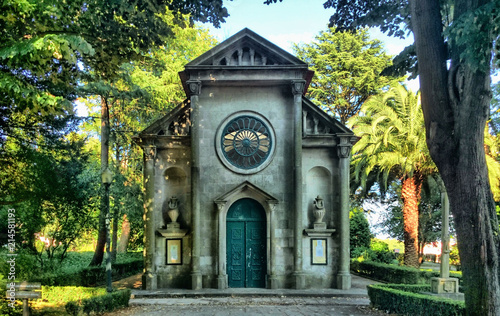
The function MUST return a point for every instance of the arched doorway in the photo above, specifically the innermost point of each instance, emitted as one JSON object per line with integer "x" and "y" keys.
{"x": 246, "y": 244}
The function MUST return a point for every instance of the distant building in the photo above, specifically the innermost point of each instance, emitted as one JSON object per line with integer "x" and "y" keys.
{"x": 247, "y": 182}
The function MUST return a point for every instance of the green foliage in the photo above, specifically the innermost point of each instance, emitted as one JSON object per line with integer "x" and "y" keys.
{"x": 492, "y": 149}
{"x": 347, "y": 70}
{"x": 396, "y": 274}
{"x": 455, "y": 257}
{"x": 407, "y": 300}
{"x": 53, "y": 192}
{"x": 381, "y": 251}
{"x": 99, "y": 304}
{"x": 392, "y": 133}
{"x": 387, "y": 273}
{"x": 5, "y": 308}
{"x": 90, "y": 276}
{"x": 140, "y": 93}
{"x": 60, "y": 295}
{"x": 360, "y": 234}
{"x": 27, "y": 265}
{"x": 52, "y": 52}
{"x": 472, "y": 34}
{"x": 494, "y": 119}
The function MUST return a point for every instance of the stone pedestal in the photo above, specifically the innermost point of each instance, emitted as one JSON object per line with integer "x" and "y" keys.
{"x": 222, "y": 281}
{"x": 273, "y": 282}
{"x": 149, "y": 281}
{"x": 344, "y": 281}
{"x": 300, "y": 280}
{"x": 173, "y": 232}
{"x": 444, "y": 285}
{"x": 196, "y": 281}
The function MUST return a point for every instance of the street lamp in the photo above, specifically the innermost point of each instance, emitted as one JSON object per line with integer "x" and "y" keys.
{"x": 107, "y": 178}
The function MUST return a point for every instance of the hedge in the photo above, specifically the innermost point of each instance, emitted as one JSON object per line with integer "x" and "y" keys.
{"x": 405, "y": 299}
{"x": 99, "y": 304}
{"x": 91, "y": 276}
{"x": 396, "y": 274}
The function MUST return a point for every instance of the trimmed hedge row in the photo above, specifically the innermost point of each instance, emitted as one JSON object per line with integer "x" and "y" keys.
{"x": 396, "y": 274}
{"x": 99, "y": 304}
{"x": 405, "y": 299}
{"x": 91, "y": 276}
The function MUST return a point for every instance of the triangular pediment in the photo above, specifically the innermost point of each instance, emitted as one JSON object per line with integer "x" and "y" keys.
{"x": 319, "y": 123}
{"x": 245, "y": 49}
{"x": 175, "y": 123}
{"x": 248, "y": 189}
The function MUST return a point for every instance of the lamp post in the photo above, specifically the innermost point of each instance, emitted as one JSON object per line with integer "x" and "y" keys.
{"x": 107, "y": 178}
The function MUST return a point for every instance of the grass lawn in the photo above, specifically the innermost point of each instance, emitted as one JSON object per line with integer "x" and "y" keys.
{"x": 54, "y": 298}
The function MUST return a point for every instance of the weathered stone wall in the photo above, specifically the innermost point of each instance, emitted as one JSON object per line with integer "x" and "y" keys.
{"x": 172, "y": 178}
{"x": 216, "y": 104}
{"x": 321, "y": 178}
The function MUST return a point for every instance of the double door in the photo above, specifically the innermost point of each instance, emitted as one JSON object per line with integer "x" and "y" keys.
{"x": 246, "y": 244}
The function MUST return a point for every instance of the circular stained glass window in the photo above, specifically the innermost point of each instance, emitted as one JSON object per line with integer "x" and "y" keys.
{"x": 246, "y": 142}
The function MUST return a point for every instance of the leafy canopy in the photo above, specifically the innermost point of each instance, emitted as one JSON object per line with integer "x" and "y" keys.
{"x": 392, "y": 133}
{"x": 347, "y": 70}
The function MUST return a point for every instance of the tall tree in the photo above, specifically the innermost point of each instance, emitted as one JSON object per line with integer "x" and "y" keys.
{"x": 141, "y": 92}
{"x": 454, "y": 40}
{"x": 49, "y": 48}
{"x": 391, "y": 127}
{"x": 347, "y": 70}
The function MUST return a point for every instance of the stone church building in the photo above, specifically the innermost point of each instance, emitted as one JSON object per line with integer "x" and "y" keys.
{"x": 246, "y": 182}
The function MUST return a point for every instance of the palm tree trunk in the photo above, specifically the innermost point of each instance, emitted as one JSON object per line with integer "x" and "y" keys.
{"x": 409, "y": 193}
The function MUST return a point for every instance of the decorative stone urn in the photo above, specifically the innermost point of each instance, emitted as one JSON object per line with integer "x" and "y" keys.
{"x": 319, "y": 210}
{"x": 319, "y": 227}
{"x": 173, "y": 210}
{"x": 174, "y": 228}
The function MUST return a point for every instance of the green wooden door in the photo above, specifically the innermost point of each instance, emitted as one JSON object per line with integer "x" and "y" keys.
{"x": 246, "y": 244}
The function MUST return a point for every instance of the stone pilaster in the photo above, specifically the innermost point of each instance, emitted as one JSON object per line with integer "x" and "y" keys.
{"x": 344, "y": 153}
{"x": 297, "y": 90}
{"x": 273, "y": 282}
{"x": 195, "y": 90}
{"x": 149, "y": 278}
{"x": 222, "y": 274}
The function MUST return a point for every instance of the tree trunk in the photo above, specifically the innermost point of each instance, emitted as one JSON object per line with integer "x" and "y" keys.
{"x": 455, "y": 105}
{"x": 125, "y": 236}
{"x": 410, "y": 222}
{"x": 114, "y": 240}
{"x": 116, "y": 210}
{"x": 101, "y": 238}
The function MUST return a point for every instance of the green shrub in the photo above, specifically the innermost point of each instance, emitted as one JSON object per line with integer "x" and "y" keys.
{"x": 381, "y": 252}
{"x": 24, "y": 259}
{"x": 5, "y": 309}
{"x": 360, "y": 234}
{"x": 91, "y": 276}
{"x": 407, "y": 300}
{"x": 455, "y": 257}
{"x": 99, "y": 304}
{"x": 62, "y": 294}
{"x": 386, "y": 273}
{"x": 397, "y": 274}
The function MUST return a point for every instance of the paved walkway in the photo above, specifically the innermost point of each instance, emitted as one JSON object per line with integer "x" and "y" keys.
{"x": 358, "y": 290}
{"x": 246, "y": 301}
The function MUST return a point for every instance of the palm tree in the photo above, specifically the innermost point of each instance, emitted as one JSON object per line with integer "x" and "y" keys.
{"x": 392, "y": 144}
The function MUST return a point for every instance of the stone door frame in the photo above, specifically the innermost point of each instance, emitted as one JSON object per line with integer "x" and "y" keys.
{"x": 224, "y": 202}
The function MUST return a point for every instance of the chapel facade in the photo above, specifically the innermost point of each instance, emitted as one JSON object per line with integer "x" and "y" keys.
{"x": 246, "y": 182}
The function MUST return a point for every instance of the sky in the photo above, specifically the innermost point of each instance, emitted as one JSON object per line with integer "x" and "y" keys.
{"x": 291, "y": 21}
